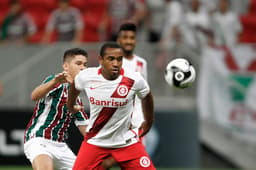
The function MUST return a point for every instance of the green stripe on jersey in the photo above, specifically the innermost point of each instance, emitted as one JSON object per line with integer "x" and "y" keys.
{"x": 61, "y": 123}
{"x": 52, "y": 112}
{"x": 40, "y": 109}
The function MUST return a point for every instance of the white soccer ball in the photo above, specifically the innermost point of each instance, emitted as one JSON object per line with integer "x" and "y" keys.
{"x": 180, "y": 73}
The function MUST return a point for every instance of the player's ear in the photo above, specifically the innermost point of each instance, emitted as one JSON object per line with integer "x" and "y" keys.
{"x": 118, "y": 39}
{"x": 100, "y": 59}
{"x": 65, "y": 66}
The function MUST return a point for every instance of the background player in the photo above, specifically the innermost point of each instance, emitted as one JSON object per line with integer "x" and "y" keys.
{"x": 46, "y": 131}
{"x": 127, "y": 40}
{"x": 111, "y": 91}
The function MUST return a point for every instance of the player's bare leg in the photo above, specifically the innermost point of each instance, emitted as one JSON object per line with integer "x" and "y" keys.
{"x": 43, "y": 162}
{"x": 108, "y": 163}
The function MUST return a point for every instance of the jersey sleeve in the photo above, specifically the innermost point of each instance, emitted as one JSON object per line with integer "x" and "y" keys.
{"x": 79, "y": 82}
{"x": 81, "y": 118}
{"x": 56, "y": 87}
{"x": 144, "y": 71}
{"x": 141, "y": 87}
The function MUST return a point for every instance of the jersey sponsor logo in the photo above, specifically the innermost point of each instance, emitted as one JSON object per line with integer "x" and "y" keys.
{"x": 111, "y": 102}
{"x": 144, "y": 161}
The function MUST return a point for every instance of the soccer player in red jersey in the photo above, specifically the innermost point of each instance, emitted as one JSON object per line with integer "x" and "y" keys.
{"x": 111, "y": 92}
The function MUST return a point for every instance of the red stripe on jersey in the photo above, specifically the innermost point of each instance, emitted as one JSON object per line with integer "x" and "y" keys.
{"x": 105, "y": 114}
{"x": 64, "y": 128}
{"x": 62, "y": 101}
{"x": 123, "y": 88}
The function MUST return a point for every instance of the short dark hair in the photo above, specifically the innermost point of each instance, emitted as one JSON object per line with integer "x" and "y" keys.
{"x": 106, "y": 45}
{"x": 128, "y": 26}
{"x": 74, "y": 51}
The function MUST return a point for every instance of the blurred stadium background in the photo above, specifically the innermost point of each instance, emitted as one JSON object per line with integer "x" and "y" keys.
{"x": 182, "y": 136}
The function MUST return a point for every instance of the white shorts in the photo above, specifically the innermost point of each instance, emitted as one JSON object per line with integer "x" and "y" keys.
{"x": 61, "y": 154}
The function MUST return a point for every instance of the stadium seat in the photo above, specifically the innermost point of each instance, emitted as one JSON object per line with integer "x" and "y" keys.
{"x": 4, "y": 4}
{"x": 4, "y": 7}
{"x": 3, "y": 13}
{"x": 92, "y": 16}
{"x": 40, "y": 17}
{"x": 43, "y": 4}
{"x": 91, "y": 28}
{"x": 80, "y": 4}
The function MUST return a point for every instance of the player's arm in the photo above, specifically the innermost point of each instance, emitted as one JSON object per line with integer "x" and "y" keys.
{"x": 42, "y": 90}
{"x": 148, "y": 112}
{"x": 73, "y": 93}
{"x": 82, "y": 129}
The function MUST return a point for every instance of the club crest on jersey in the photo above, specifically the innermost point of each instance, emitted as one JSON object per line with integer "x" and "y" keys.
{"x": 144, "y": 161}
{"x": 122, "y": 90}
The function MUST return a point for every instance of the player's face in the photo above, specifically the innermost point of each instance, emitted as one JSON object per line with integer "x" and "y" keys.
{"x": 111, "y": 63}
{"x": 75, "y": 65}
{"x": 127, "y": 40}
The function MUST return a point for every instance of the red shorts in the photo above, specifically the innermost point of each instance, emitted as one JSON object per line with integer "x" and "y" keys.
{"x": 133, "y": 157}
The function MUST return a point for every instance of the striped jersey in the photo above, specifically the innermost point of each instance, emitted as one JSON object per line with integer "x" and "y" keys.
{"x": 51, "y": 117}
{"x": 137, "y": 64}
{"x": 111, "y": 106}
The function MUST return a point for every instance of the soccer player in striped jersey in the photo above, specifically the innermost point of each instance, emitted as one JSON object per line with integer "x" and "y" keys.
{"x": 44, "y": 139}
{"x": 111, "y": 92}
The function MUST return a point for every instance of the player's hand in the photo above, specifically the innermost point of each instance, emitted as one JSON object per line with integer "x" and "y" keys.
{"x": 63, "y": 77}
{"x": 77, "y": 108}
{"x": 145, "y": 126}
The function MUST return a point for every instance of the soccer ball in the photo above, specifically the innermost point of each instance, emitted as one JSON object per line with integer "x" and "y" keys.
{"x": 180, "y": 73}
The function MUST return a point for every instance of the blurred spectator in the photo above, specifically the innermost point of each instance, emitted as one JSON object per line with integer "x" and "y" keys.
{"x": 226, "y": 24}
{"x": 120, "y": 11}
{"x": 17, "y": 26}
{"x": 172, "y": 33}
{"x": 155, "y": 19}
{"x": 172, "y": 23}
{"x": 198, "y": 23}
{"x": 210, "y": 5}
{"x": 67, "y": 22}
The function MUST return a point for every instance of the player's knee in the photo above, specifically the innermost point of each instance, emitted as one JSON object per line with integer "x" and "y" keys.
{"x": 43, "y": 162}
